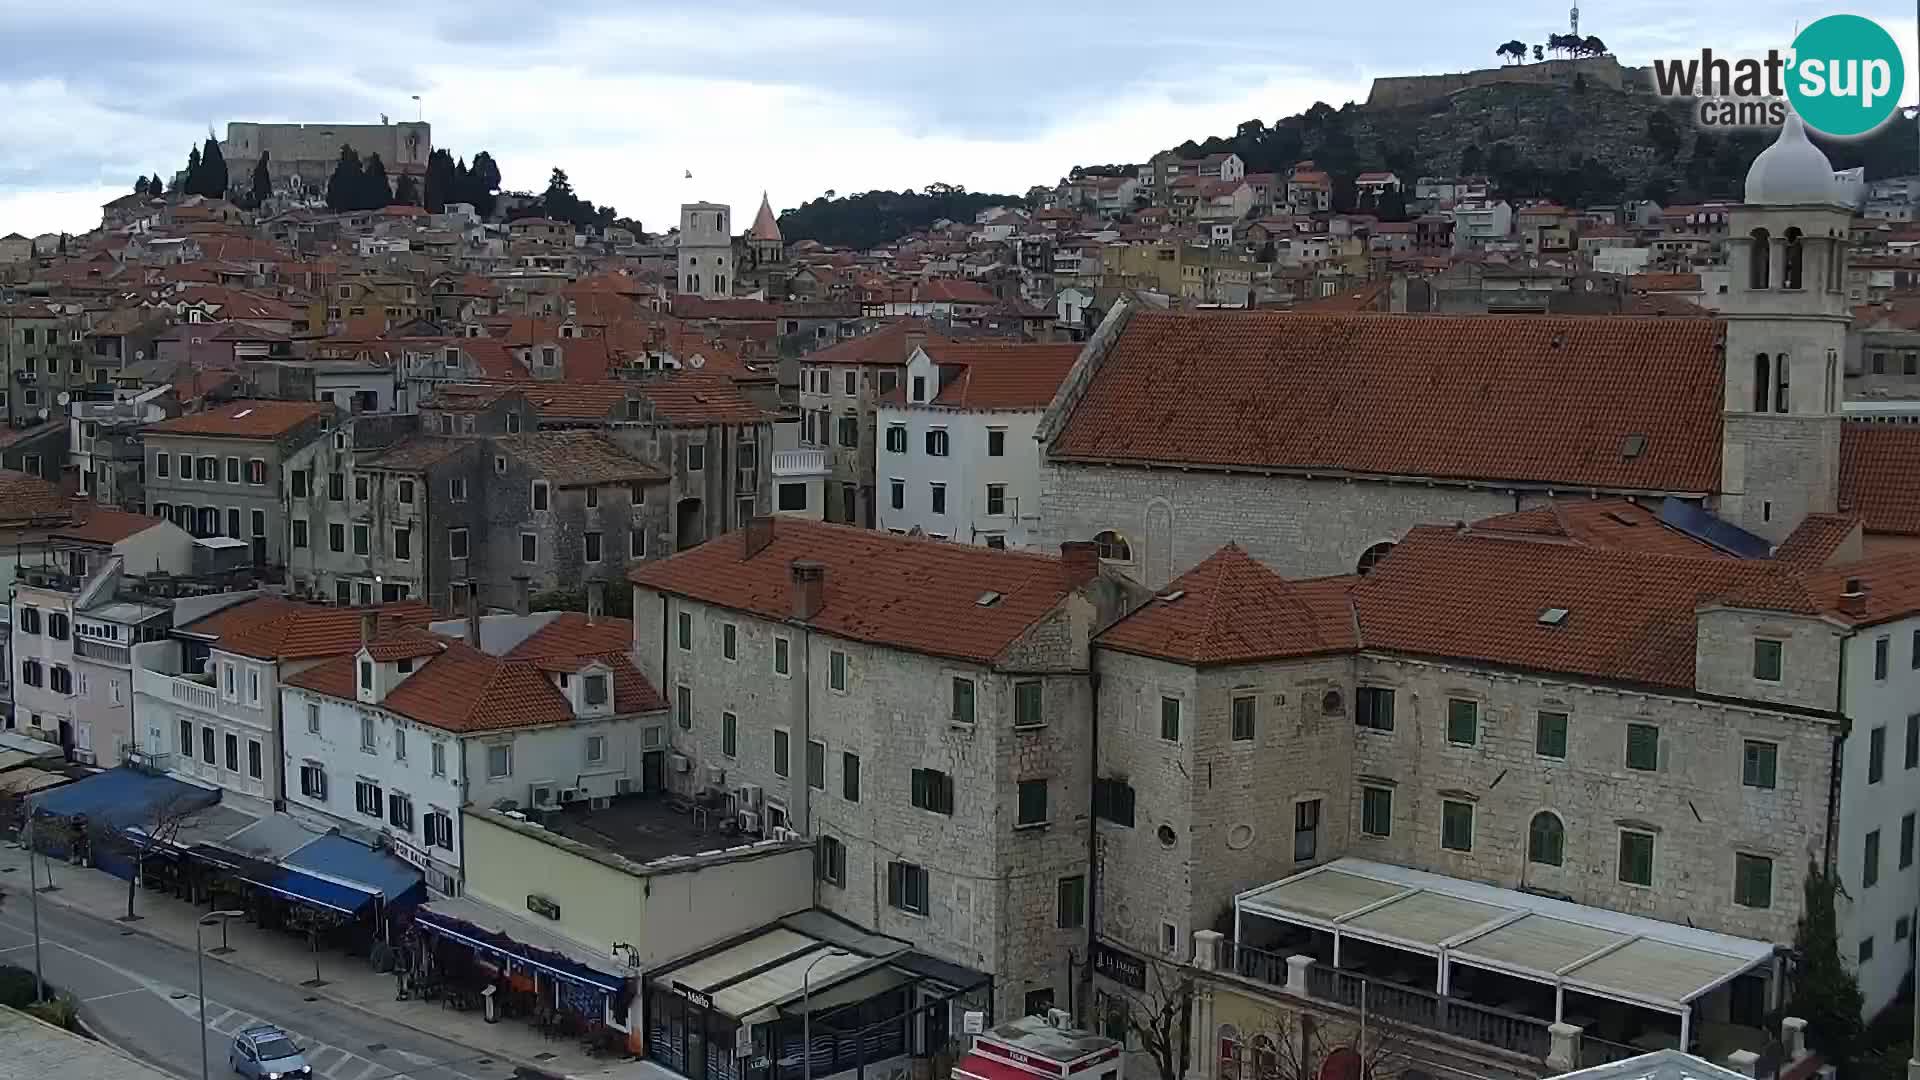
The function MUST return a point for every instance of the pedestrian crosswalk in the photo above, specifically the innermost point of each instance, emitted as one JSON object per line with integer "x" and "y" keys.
{"x": 329, "y": 1061}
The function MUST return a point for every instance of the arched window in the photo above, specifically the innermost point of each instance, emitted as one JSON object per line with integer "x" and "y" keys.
{"x": 1780, "y": 369}
{"x": 1833, "y": 381}
{"x": 1762, "y": 382}
{"x": 1229, "y": 1052}
{"x": 693, "y": 283}
{"x": 1790, "y": 261}
{"x": 1112, "y": 545}
{"x": 1759, "y": 259}
{"x": 1546, "y": 839}
{"x": 1371, "y": 557}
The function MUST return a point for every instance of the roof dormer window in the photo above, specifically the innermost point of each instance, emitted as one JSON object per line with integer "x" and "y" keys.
{"x": 593, "y": 690}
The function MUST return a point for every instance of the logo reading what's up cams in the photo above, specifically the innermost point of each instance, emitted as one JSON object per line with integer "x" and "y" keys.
{"x": 1844, "y": 76}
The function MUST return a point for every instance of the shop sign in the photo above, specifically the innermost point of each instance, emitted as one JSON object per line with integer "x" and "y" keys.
{"x": 540, "y": 905}
{"x": 411, "y": 855}
{"x": 704, "y": 1000}
{"x": 1122, "y": 968}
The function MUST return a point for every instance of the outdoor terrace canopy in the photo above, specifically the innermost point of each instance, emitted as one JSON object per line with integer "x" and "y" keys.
{"x": 1607, "y": 954}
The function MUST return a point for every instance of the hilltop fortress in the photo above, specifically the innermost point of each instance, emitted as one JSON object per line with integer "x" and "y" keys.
{"x": 1402, "y": 90}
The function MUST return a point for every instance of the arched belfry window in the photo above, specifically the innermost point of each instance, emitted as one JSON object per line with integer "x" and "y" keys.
{"x": 1792, "y": 256}
{"x": 1759, "y": 259}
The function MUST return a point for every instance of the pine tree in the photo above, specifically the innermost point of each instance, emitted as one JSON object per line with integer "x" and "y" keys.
{"x": 375, "y": 191}
{"x": 559, "y": 202}
{"x": 213, "y": 165}
{"x": 1825, "y": 993}
{"x": 406, "y": 192}
{"x": 343, "y": 187}
{"x": 262, "y": 182}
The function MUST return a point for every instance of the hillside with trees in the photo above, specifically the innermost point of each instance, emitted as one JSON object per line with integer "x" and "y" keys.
{"x": 873, "y": 218}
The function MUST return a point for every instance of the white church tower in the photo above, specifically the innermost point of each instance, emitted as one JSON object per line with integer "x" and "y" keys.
{"x": 706, "y": 250}
{"x": 1786, "y": 314}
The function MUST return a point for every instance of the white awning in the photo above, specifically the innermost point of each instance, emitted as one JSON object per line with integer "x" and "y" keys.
{"x": 1607, "y": 954}
{"x": 751, "y": 979}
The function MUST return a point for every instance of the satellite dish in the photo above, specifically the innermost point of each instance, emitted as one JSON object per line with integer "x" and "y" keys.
{"x": 43, "y": 413}
{"x": 64, "y": 398}
{"x": 696, "y": 360}
{"x": 139, "y": 354}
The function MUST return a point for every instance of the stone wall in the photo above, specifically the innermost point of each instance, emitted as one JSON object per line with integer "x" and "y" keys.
{"x": 1400, "y": 90}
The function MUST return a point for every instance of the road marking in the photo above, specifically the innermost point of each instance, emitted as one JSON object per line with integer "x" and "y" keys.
{"x": 121, "y": 993}
{"x": 314, "y": 1054}
{"x": 16, "y": 948}
{"x": 372, "y": 1067}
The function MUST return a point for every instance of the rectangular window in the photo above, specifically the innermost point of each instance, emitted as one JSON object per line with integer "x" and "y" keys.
{"x": 1373, "y": 708}
{"x": 233, "y": 752}
{"x": 400, "y": 812}
{"x": 938, "y": 495}
{"x": 1766, "y": 660}
{"x": 313, "y": 718}
{"x": 367, "y": 730}
{"x": 996, "y": 500}
{"x": 596, "y": 749}
{"x": 337, "y": 487}
{"x": 837, "y": 671}
{"x": 1752, "y": 880}
{"x": 683, "y": 707}
{"x": 1376, "y": 811}
{"x": 830, "y": 861}
{"x": 781, "y": 659}
{"x": 456, "y": 543}
{"x": 1070, "y": 910}
{"x": 1463, "y": 721}
{"x": 1243, "y": 718}
{"x": 360, "y": 539}
{"x": 1456, "y": 825}
{"x": 1028, "y": 702}
{"x": 368, "y": 798}
{"x": 962, "y": 701}
{"x": 253, "y": 758}
{"x": 1759, "y": 763}
{"x": 1876, "y": 754}
{"x": 933, "y": 790}
{"x": 1913, "y": 740}
{"x": 937, "y": 442}
{"x": 696, "y": 457}
{"x": 457, "y": 489}
{"x": 896, "y": 439}
{"x": 907, "y": 887}
{"x": 405, "y": 492}
{"x": 162, "y": 466}
{"x": 1866, "y": 950}
{"x": 850, "y": 777}
{"x": 1636, "y": 857}
{"x": 1882, "y": 650}
{"x": 1550, "y": 734}
{"x": 1113, "y": 801}
{"x": 1906, "y": 841}
{"x": 729, "y": 641}
{"x": 403, "y": 543}
{"x": 996, "y": 442}
{"x": 336, "y": 537}
{"x": 233, "y": 470}
{"x": 1306, "y": 830}
{"x": 1643, "y": 747}
{"x": 1033, "y": 803}
{"x": 439, "y": 759}
{"x": 683, "y": 629}
{"x": 313, "y": 782}
{"x": 1870, "y": 861}
{"x": 782, "y": 763}
{"x": 816, "y": 765}
{"x": 1170, "y": 719}
{"x": 499, "y": 762}
{"x": 529, "y": 548}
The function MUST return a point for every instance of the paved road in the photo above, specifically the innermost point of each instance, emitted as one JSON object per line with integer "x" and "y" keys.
{"x": 138, "y": 993}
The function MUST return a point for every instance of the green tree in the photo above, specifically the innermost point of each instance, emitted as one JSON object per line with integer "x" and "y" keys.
{"x": 484, "y": 177}
{"x": 1663, "y": 134}
{"x": 1472, "y": 160}
{"x": 559, "y": 201}
{"x": 406, "y": 192}
{"x": 213, "y": 171}
{"x": 345, "y": 185}
{"x": 1823, "y": 992}
{"x": 191, "y": 182}
{"x": 440, "y": 179}
{"x": 140, "y": 185}
{"x": 1593, "y": 46}
{"x": 375, "y": 190}
{"x": 262, "y": 186}
{"x": 1539, "y": 53}
{"x": 1514, "y": 51}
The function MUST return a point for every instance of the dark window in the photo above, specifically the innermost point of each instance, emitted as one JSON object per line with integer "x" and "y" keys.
{"x": 1113, "y": 801}
{"x": 1033, "y": 802}
{"x": 1636, "y": 857}
{"x": 1456, "y": 825}
{"x": 896, "y": 439}
{"x": 782, "y": 754}
{"x": 1643, "y": 747}
{"x": 337, "y": 487}
{"x": 1070, "y": 911}
{"x": 817, "y": 765}
{"x": 1376, "y": 811}
{"x": 996, "y": 442}
{"x": 937, "y": 442}
{"x": 962, "y": 701}
{"x": 933, "y": 790}
{"x": 1870, "y": 861}
{"x": 1306, "y": 830}
{"x": 729, "y": 734}
{"x": 1906, "y": 841}
{"x": 1882, "y": 648}
{"x": 1866, "y": 950}
{"x": 1373, "y": 708}
{"x": 1028, "y": 703}
{"x": 1766, "y": 660}
{"x": 1752, "y": 880}
{"x": 57, "y": 626}
{"x": 850, "y": 432}
{"x": 1876, "y": 754}
{"x": 233, "y": 752}
{"x": 1759, "y": 763}
{"x": 1913, "y": 740}
{"x": 830, "y": 861}
{"x": 1463, "y": 721}
{"x": 907, "y": 887}
{"x": 793, "y": 496}
{"x": 1243, "y": 718}
{"x": 939, "y": 498}
{"x": 683, "y": 707}
{"x": 1546, "y": 839}
{"x": 850, "y": 777}
{"x": 1550, "y": 734}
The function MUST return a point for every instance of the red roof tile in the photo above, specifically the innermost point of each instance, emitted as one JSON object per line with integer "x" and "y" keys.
{"x": 1878, "y": 467}
{"x": 1816, "y": 540}
{"x": 100, "y": 525}
{"x": 1231, "y": 609}
{"x": 1539, "y": 399}
{"x": 245, "y": 419}
{"x": 293, "y": 631}
{"x": 25, "y": 497}
{"x": 905, "y": 592}
{"x": 1003, "y": 376}
{"x": 886, "y": 345}
{"x": 1604, "y": 523}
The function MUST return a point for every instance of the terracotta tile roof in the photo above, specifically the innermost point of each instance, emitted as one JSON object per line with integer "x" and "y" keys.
{"x": 1231, "y": 609}
{"x": 904, "y": 592}
{"x": 570, "y": 641}
{"x": 575, "y": 401}
{"x": 1630, "y": 615}
{"x": 101, "y": 525}
{"x": 1891, "y": 584}
{"x": 694, "y": 307}
{"x": 1003, "y": 376}
{"x": 578, "y": 458}
{"x": 414, "y": 455}
{"x": 698, "y": 398}
{"x": 1816, "y": 540}
{"x": 25, "y": 497}
{"x": 1604, "y": 523}
{"x": 406, "y": 644}
{"x": 954, "y": 291}
{"x": 1541, "y": 399}
{"x": 297, "y": 631}
{"x": 886, "y": 345}
{"x": 1664, "y": 282}
{"x": 1878, "y": 467}
{"x": 245, "y": 419}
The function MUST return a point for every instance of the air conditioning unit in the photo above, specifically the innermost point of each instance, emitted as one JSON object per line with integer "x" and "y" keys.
{"x": 623, "y": 786}
{"x": 680, "y": 762}
{"x": 540, "y": 795}
{"x": 599, "y": 802}
{"x": 784, "y": 833}
{"x": 572, "y": 795}
{"x": 716, "y": 776}
{"x": 746, "y": 797}
{"x": 749, "y": 821}
{"x": 1059, "y": 1018}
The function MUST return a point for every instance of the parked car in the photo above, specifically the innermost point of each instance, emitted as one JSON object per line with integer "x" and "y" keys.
{"x": 264, "y": 1052}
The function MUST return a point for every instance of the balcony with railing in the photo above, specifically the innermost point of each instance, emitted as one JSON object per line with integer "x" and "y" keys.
{"x": 193, "y": 691}
{"x": 104, "y": 651}
{"x": 794, "y": 464}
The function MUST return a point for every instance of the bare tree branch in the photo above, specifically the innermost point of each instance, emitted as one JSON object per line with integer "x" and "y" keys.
{"x": 1155, "y": 1017}
{"x": 139, "y": 832}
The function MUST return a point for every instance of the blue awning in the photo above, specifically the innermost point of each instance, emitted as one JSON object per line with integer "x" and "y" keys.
{"x": 514, "y": 952}
{"x": 120, "y": 797}
{"x": 375, "y": 871}
{"x": 307, "y": 889}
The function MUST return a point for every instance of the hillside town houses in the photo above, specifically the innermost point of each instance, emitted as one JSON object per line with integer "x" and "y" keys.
{"x": 1348, "y": 599}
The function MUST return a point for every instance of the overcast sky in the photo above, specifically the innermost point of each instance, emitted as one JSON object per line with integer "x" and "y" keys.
{"x": 796, "y": 97}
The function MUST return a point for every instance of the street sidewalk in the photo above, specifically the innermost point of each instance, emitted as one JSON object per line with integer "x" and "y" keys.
{"x": 285, "y": 959}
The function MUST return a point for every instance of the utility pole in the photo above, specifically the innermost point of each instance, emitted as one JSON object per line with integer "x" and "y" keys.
{"x": 33, "y": 891}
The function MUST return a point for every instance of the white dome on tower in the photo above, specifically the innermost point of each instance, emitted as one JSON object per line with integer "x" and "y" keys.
{"x": 1792, "y": 171}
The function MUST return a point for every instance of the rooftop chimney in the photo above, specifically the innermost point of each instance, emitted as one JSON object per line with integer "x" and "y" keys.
{"x": 1853, "y": 600}
{"x": 916, "y": 337}
{"x": 809, "y": 588}
{"x": 757, "y": 534}
{"x": 473, "y": 612}
{"x": 1080, "y": 559}
{"x": 369, "y": 625}
{"x": 596, "y": 600}
{"x": 522, "y": 594}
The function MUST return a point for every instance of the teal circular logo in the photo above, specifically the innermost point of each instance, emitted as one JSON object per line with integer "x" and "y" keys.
{"x": 1846, "y": 75}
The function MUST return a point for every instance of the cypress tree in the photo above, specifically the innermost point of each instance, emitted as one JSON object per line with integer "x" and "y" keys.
{"x": 262, "y": 183}
{"x": 343, "y": 187}
{"x": 213, "y": 166}
{"x": 190, "y": 184}
{"x": 375, "y": 192}
{"x": 1825, "y": 993}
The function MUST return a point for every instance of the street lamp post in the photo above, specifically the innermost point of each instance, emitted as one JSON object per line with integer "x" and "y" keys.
{"x": 200, "y": 967}
{"x": 806, "y": 1013}
{"x": 33, "y": 900}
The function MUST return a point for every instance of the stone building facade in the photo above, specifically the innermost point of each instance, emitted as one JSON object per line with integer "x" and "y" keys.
{"x": 222, "y": 472}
